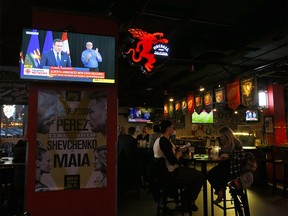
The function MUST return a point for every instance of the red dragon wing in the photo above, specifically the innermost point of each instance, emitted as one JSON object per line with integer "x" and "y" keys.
{"x": 137, "y": 33}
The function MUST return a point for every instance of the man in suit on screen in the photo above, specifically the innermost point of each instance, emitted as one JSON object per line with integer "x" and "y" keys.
{"x": 55, "y": 57}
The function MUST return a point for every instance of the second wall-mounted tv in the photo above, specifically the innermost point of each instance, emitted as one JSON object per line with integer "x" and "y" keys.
{"x": 139, "y": 114}
{"x": 252, "y": 115}
{"x": 37, "y": 42}
{"x": 202, "y": 118}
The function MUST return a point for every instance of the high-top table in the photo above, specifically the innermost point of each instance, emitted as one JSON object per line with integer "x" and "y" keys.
{"x": 203, "y": 159}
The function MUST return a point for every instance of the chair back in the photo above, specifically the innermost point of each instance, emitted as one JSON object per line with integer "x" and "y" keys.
{"x": 156, "y": 174}
{"x": 267, "y": 154}
{"x": 160, "y": 167}
{"x": 284, "y": 154}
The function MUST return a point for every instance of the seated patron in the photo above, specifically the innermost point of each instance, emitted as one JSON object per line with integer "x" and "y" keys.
{"x": 190, "y": 177}
{"x": 225, "y": 171}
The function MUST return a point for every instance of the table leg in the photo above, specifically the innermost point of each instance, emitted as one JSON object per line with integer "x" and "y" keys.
{"x": 205, "y": 201}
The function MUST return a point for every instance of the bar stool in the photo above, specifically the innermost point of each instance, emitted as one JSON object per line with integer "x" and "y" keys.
{"x": 238, "y": 201}
{"x": 171, "y": 196}
{"x": 284, "y": 153}
{"x": 268, "y": 160}
{"x": 164, "y": 192}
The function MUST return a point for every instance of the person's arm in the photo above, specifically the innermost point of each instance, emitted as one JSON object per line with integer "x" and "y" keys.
{"x": 98, "y": 55}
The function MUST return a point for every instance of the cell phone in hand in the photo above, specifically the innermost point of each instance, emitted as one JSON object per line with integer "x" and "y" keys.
{"x": 186, "y": 146}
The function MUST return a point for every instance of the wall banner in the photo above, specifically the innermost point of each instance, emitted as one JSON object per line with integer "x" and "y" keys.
{"x": 166, "y": 110}
{"x": 178, "y": 111}
{"x": 233, "y": 94}
{"x": 208, "y": 101}
{"x": 198, "y": 103}
{"x": 190, "y": 102}
{"x": 249, "y": 92}
{"x": 220, "y": 97}
{"x": 71, "y": 151}
{"x": 184, "y": 107}
{"x": 171, "y": 109}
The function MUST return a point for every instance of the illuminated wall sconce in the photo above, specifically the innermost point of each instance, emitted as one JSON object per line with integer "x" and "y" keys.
{"x": 263, "y": 99}
{"x": 9, "y": 110}
{"x": 201, "y": 88}
{"x": 171, "y": 99}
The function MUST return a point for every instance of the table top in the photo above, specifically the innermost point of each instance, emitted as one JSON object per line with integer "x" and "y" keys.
{"x": 202, "y": 158}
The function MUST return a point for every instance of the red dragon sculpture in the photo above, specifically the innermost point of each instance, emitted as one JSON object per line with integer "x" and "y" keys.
{"x": 144, "y": 46}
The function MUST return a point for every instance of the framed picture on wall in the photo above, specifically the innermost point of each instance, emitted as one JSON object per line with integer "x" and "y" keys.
{"x": 269, "y": 124}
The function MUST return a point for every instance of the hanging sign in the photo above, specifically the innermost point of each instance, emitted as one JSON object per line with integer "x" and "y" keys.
{"x": 220, "y": 97}
{"x": 178, "y": 112}
{"x": 166, "y": 110}
{"x": 171, "y": 109}
{"x": 208, "y": 101}
{"x": 249, "y": 91}
{"x": 190, "y": 102}
{"x": 184, "y": 106}
{"x": 198, "y": 103}
{"x": 233, "y": 94}
{"x": 147, "y": 50}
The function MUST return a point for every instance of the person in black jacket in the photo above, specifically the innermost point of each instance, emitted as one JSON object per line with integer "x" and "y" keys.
{"x": 128, "y": 160}
{"x": 190, "y": 177}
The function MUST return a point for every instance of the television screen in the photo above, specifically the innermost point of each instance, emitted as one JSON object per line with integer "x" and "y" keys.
{"x": 39, "y": 59}
{"x": 139, "y": 114}
{"x": 252, "y": 116}
{"x": 202, "y": 118}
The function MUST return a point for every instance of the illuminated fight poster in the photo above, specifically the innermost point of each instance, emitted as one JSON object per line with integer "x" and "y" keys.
{"x": 71, "y": 150}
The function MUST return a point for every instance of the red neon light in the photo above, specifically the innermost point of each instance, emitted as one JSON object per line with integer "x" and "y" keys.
{"x": 144, "y": 46}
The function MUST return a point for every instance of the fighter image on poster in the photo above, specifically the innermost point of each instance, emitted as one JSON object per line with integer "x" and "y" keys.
{"x": 71, "y": 151}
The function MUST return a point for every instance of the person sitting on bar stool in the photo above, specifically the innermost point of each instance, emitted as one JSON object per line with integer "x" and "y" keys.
{"x": 231, "y": 165}
{"x": 192, "y": 178}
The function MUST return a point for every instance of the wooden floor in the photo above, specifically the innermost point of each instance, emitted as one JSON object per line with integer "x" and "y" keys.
{"x": 261, "y": 203}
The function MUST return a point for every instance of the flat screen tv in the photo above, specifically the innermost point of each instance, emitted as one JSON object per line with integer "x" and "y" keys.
{"x": 252, "y": 115}
{"x": 37, "y": 42}
{"x": 202, "y": 118}
{"x": 139, "y": 114}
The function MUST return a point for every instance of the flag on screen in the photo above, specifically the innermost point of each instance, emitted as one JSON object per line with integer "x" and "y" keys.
{"x": 33, "y": 55}
{"x": 21, "y": 61}
{"x": 65, "y": 43}
{"x": 48, "y": 43}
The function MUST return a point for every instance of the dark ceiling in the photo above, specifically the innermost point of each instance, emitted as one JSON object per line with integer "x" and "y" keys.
{"x": 211, "y": 42}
